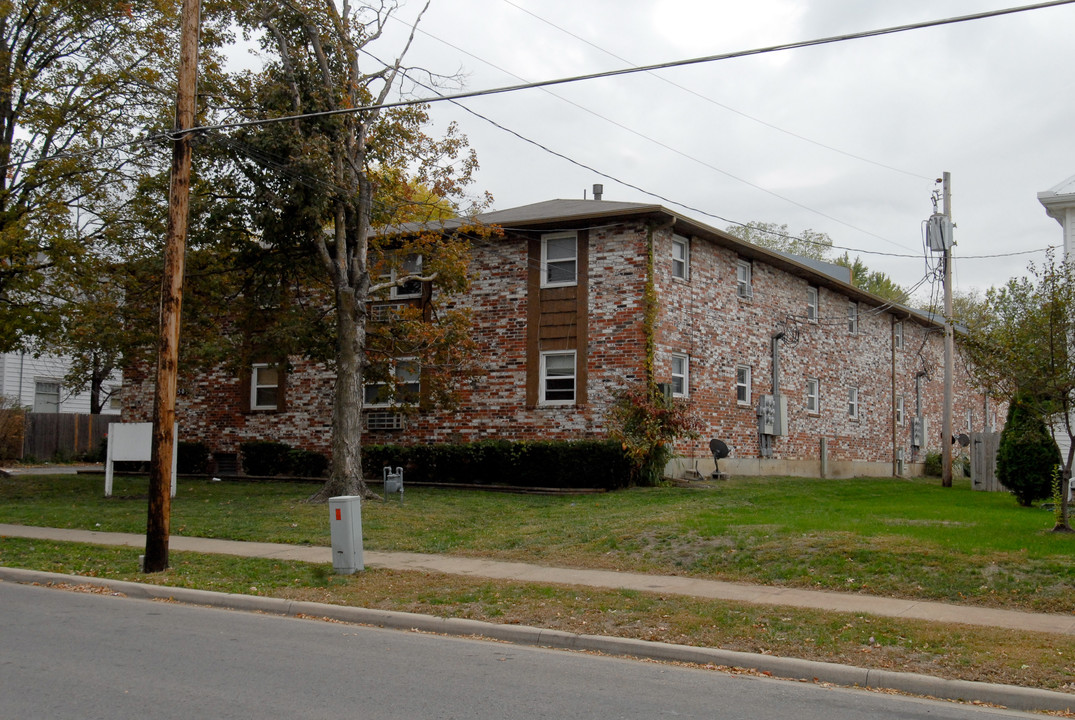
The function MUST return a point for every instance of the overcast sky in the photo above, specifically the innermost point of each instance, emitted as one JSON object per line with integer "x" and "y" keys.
{"x": 847, "y": 138}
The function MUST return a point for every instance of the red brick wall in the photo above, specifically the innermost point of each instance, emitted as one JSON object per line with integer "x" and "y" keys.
{"x": 701, "y": 317}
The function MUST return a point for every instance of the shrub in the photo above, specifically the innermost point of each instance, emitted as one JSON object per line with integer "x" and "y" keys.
{"x": 11, "y": 429}
{"x": 934, "y": 465}
{"x": 554, "y": 464}
{"x": 307, "y": 463}
{"x": 1027, "y": 454}
{"x": 265, "y": 458}
{"x": 646, "y": 423}
{"x": 192, "y": 458}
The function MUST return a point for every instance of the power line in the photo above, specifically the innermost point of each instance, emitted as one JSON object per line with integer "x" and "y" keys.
{"x": 703, "y": 96}
{"x": 646, "y": 68}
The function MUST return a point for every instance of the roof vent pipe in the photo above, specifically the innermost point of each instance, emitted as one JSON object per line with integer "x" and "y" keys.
{"x": 598, "y": 190}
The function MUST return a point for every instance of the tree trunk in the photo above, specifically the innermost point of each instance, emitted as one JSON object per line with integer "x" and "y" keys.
{"x": 1064, "y": 525}
{"x": 346, "y": 474}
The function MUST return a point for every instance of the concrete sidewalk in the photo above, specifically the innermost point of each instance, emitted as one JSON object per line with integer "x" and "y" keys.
{"x": 1020, "y": 698}
{"x": 525, "y": 572}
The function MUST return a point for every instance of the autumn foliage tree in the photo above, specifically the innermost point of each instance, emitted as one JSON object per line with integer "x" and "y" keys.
{"x": 329, "y": 187}
{"x": 1022, "y": 350}
{"x": 647, "y": 423}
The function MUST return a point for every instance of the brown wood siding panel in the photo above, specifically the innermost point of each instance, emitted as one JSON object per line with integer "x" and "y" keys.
{"x": 557, "y": 332}
{"x": 562, "y": 318}
{"x": 556, "y": 319}
{"x": 559, "y": 306}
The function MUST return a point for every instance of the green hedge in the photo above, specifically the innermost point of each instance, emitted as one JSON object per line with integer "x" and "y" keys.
{"x": 192, "y": 458}
{"x": 575, "y": 464}
{"x": 267, "y": 459}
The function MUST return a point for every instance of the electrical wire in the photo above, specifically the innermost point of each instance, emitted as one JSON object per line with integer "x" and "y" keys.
{"x": 695, "y": 93}
{"x": 633, "y": 70}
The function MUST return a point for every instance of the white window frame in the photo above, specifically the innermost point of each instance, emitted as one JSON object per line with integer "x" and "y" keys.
{"x": 852, "y": 318}
{"x": 393, "y": 369}
{"x": 256, "y": 385}
{"x": 813, "y": 396}
{"x": 543, "y": 382}
{"x": 900, "y": 411}
{"x": 45, "y": 398}
{"x": 742, "y": 385}
{"x": 743, "y": 282}
{"x": 546, "y": 264}
{"x": 853, "y": 409}
{"x": 970, "y": 420}
{"x": 681, "y": 257}
{"x": 897, "y": 335}
{"x": 812, "y": 295}
{"x": 412, "y": 265}
{"x": 683, "y": 376}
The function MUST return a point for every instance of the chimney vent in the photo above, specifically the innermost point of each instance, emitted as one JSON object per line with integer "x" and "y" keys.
{"x": 598, "y": 190}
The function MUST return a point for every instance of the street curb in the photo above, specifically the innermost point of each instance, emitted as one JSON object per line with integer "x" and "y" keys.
{"x": 1017, "y": 698}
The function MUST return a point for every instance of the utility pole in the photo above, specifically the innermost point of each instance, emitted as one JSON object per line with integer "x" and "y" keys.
{"x": 160, "y": 482}
{"x": 949, "y": 339}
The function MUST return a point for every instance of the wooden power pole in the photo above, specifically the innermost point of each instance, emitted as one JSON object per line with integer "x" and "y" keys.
{"x": 949, "y": 342}
{"x": 160, "y": 482}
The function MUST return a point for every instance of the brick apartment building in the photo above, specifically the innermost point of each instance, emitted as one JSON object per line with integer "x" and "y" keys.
{"x": 559, "y": 304}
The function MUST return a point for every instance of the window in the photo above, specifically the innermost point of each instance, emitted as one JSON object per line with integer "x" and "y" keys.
{"x": 742, "y": 279}
{"x": 559, "y": 260}
{"x": 264, "y": 387}
{"x": 46, "y": 396}
{"x": 401, "y": 387}
{"x": 680, "y": 375}
{"x": 897, "y": 336}
{"x": 412, "y": 265}
{"x": 811, "y": 304}
{"x": 899, "y": 410}
{"x": 681, "y": 253}
{"x": 970, "y": 421}
{"x": 852, "y": 318}
{"x": 557, "y": 378}
{"x": 742, "y": 384}
{"x": 813, "y": 395}
{"x": 853, "y": 403}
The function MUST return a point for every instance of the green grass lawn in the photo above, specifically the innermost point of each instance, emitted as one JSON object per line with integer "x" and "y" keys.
{"x": 908, "y": 538}
{"x": 902, "y": 538}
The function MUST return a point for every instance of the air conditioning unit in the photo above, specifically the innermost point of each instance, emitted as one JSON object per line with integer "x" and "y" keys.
{"x": 383, "y": 312}
{"x": 383, "y": 420}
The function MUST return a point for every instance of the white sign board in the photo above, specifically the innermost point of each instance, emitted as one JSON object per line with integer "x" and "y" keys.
{"x": 134, "y": 441}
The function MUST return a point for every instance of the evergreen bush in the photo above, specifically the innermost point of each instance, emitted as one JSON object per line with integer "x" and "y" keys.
{"x": 1027, "y": 454}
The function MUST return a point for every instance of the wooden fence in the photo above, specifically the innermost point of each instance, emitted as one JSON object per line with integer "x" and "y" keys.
{"x": 983, "y": 462}
{"x": 49, "y": 436}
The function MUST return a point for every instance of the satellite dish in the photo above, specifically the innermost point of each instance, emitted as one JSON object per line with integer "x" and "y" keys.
{"x": 719, "y": 449}
{"x": 964, "y": 439}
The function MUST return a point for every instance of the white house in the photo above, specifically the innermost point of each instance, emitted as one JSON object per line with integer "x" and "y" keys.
{"x": 37, "y": 383}
{"x": 1059, "y": 203}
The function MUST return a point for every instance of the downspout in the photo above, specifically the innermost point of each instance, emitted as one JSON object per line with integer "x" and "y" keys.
{"x": 892, "y": 415}
{"x": 22, "y": 365}
{"x": 775, "y": 339}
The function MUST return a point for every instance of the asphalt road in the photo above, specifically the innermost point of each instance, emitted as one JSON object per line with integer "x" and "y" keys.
{"x": 68, "y": 655}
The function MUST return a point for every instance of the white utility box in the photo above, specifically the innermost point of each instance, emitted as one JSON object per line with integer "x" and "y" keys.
{"x": 345, "y": 524}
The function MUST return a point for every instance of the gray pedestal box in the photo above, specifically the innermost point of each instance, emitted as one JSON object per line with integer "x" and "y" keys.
{"x": 345, "y": 524}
